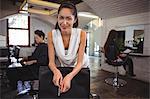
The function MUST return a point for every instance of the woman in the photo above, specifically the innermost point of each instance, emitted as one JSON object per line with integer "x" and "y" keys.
{"x": 31, "y": 64}
{"x": 119, "y": 55}
{"x": 67, "y": 43}
{"x": 40, "y": 54}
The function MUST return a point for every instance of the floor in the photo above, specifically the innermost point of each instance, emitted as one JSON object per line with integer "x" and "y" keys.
{"x": 134, "y": 89}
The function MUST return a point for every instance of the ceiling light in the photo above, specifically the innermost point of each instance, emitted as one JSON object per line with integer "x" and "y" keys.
{"x": 44, "y": 3}
{"x": 43, "y": 12}
{"x": 87, "y": 14}
{"x": 39, "y": 7}
{"x": 24, "y": 12}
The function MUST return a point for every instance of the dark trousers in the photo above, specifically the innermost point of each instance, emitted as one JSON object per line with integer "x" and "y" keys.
{"x": 80, "y": 85}
{"x": 128, "y": 65}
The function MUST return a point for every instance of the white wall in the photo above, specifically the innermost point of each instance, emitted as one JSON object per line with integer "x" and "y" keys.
{"x": 34, "y": 25}
{"x": 2, "y": 41}
{"x": 3, "y": 32}
{"x": 3, "y": 27}
{"x": 40, "y": 25}
{"x": 147, "y": 39}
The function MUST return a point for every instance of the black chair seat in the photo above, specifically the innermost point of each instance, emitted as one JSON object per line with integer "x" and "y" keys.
{"x": 113, "y": 63}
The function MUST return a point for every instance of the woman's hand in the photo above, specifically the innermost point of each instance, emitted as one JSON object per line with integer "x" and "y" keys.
{"x": 122, "y": 55}
{"x": 30, "y": 62}
{"x": 66, "y": 83}
{"x": 57, "y": 78}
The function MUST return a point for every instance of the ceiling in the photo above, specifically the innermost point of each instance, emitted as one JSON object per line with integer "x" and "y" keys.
{"x": 60, "y": 1}
{"x": 116, "y": 8}
{"x": 103, "y": 8}
{"x": 108, "y": 8}
{"x": 41, "y": 10}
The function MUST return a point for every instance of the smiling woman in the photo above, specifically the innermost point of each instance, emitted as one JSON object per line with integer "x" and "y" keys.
{"x": 67, "y": 43}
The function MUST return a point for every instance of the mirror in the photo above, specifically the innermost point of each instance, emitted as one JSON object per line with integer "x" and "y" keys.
{"x": 134, "y": 37}
{"x": 138, "y": 40}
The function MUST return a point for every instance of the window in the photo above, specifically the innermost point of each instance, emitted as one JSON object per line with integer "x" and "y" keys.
{"x": 18, "y": 30}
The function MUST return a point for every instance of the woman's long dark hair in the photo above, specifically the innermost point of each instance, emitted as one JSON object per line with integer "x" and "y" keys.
{"x": 74, "y": 12}
{"x": 40, "y": 33}
{"x": 111, "y": 37}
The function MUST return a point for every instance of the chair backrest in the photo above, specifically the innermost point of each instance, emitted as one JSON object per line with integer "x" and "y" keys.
{"x": 111, "y": 53}
{"x": 80, "y": 88}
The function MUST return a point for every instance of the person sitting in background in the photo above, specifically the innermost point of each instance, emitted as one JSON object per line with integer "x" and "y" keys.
{"x": 40, "y": 54}
{"x": 121, "y": 55}
{"x": 39, "y": 57}
{"x": 31, "y": 64}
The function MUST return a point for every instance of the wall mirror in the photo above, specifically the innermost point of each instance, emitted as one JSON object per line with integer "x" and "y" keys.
{"x": 138, "y": 40}
{"x": 134, "y": 37}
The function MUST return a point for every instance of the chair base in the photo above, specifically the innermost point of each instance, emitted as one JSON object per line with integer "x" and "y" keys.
{"x": 94, "y": 96}
{"x": 115, "y": 83}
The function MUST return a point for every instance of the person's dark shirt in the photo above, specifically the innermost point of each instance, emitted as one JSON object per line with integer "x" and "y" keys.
{"x": 140, "y": 47}
{"x": 40, "y": 54}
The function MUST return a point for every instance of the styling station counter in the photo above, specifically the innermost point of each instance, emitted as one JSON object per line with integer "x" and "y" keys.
{"x": 141, "y": 66}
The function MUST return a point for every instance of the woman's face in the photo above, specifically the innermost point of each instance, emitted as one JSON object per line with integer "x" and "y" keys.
{"x": 38, "y": 39}
{"x": 65, "y": 19}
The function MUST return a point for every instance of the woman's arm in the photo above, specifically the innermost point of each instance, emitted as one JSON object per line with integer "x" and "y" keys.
{"x": 51, "y": 52}
{"x": 81, "y": 51}
{"x": 57, "y": 78}
{"x": 66, "y": 83}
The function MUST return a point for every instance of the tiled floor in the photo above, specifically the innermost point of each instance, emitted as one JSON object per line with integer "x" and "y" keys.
{"x": 134, "y": 89}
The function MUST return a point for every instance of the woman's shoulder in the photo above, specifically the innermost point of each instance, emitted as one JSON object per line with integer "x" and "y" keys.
{"x": 77, "y": 29}
{"x": 51, "y": 33}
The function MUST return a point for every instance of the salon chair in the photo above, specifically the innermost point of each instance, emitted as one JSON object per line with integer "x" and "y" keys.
{"x": 115, "y": 81}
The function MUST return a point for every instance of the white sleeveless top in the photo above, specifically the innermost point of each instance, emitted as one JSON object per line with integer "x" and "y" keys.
{"x": 68, "y": 58}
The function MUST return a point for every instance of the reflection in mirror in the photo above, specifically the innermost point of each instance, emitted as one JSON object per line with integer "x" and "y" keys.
{"x": 138, "y": 41}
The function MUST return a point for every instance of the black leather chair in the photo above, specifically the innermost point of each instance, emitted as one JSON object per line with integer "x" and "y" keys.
{"x": 80, "y": 88}
{"x": 115, "y": 81}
